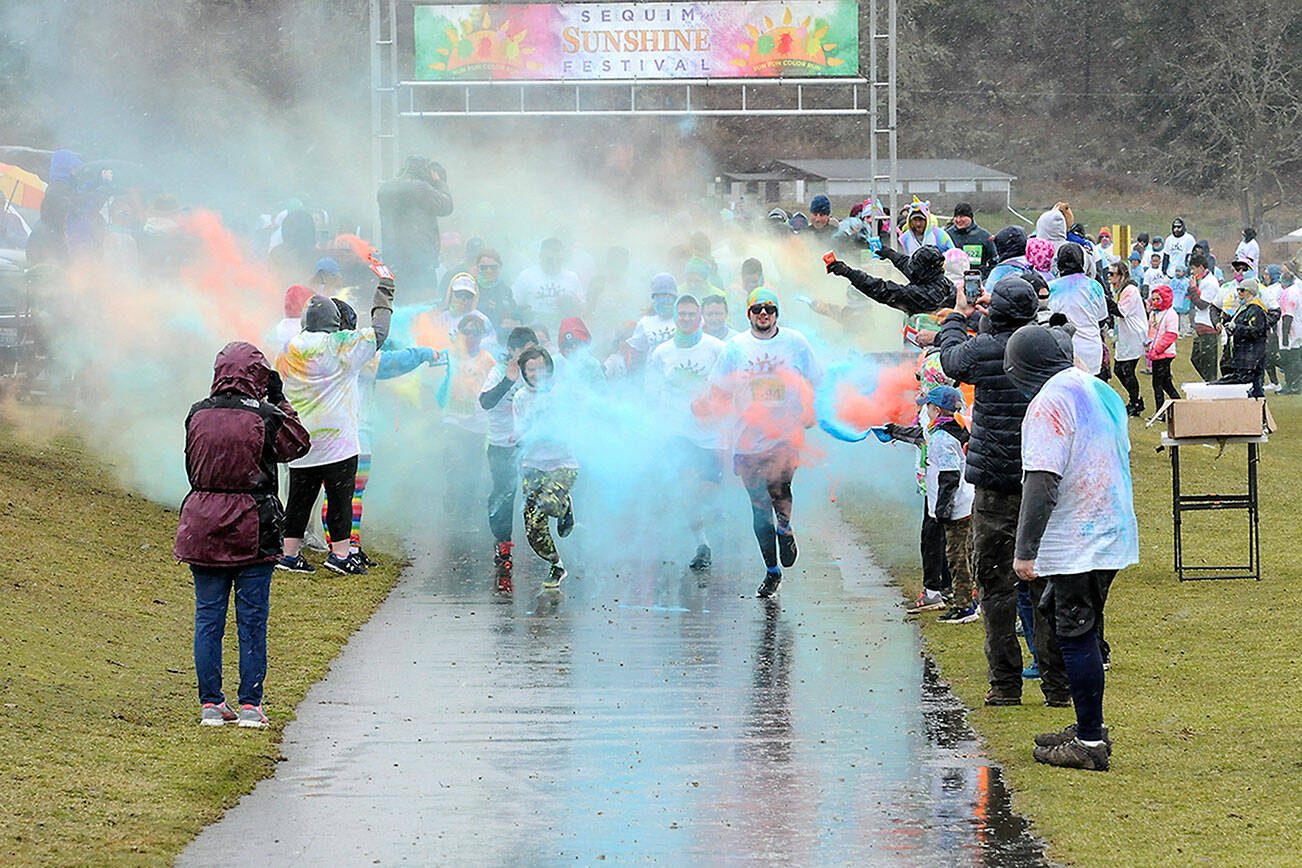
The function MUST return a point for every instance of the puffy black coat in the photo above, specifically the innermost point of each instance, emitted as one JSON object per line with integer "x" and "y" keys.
{"x": 994, "y": 453}
{"x": 927, "y": 291}
{"x": 1248, "y": 332}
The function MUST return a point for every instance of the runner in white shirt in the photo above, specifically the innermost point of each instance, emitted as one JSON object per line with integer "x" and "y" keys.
{"x": 547, "y": 289}
{"x": 496, "y": 398}
{"x": 658, "y": 326}
{"x": 765, "y": 378}
{"x": 677, "y": 374}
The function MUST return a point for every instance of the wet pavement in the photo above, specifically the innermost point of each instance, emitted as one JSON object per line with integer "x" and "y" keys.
{"x": 641, "y": 715}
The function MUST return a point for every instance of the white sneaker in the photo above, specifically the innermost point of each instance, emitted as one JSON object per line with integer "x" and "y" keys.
{"x": 252, "y": 716}
{"x": 1271, "y": 387}
{"x": 927, "y": 601}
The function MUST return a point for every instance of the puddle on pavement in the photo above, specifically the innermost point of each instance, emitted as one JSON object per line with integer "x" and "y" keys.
{"x": 969, "y": 792}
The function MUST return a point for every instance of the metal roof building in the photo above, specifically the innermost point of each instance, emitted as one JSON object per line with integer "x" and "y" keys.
{"x": 943, "y": 181}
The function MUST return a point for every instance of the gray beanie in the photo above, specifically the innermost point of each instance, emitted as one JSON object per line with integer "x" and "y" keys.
{"x": 321, "y": 315}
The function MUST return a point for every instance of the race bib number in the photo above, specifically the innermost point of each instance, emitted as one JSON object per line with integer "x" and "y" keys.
{"x": 768, "y": 390}
{"x": 973, "y": 252}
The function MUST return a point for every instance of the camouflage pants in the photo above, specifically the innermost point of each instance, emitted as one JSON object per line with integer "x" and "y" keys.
{"x": 958, "y": 555}
{"x": 546, "y": 495}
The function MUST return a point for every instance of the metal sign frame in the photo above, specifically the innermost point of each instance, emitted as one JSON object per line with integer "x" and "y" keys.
{"x": 394, "y": 98}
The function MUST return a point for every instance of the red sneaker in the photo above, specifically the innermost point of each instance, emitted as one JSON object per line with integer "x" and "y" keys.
{"x": 502, "y": 560}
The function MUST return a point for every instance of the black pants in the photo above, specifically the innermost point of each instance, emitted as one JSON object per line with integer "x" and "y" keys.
{"x": 767, "y": 478}
{"x": 504, "y": 467}
{"x": 935, "y": 566}
{"x": 994, "y": 535}
{"x": 1206, "y": 356}
{"x": 305, "y": 484}
{"x": 1126, "y": 374}
{"x": 1073, "y": 605}
{"x": 1291, "y": 364}
{"x": 1053, "y": 673}
{"x": 1162, "y": 385}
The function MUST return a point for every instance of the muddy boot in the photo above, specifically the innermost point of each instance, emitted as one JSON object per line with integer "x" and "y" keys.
{"x": 1074, "y": 754}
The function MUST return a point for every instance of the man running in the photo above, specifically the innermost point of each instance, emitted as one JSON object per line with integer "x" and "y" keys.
{"x": 677, "y": 374}
{"x": 765, "y": 378}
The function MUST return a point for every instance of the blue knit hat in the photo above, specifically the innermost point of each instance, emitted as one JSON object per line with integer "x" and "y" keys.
{"x": 820, "y": 205}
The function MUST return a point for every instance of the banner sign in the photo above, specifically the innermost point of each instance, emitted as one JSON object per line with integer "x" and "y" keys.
{"x": 593, "y": 41}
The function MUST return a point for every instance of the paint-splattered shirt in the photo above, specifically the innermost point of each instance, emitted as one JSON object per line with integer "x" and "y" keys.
{"x": 771, "y": 382}
{"x": 320, "y": 371}
{"x": 1076, "y": 428}
{"x": 675, "y": 377}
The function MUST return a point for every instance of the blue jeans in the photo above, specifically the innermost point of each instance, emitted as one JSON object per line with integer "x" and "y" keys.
{"x": 212, "y": 591}
{"x": 1026, "y": 614}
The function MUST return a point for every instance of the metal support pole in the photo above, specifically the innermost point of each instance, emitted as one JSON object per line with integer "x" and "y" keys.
{"x": 872, "y": 98}
{"x": 377, "y": 131}
{"x": 394, "y": 152}
{"x": 892, "y": 119}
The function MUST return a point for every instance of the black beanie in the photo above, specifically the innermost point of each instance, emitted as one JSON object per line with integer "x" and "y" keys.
{"x": 964, "y": 209}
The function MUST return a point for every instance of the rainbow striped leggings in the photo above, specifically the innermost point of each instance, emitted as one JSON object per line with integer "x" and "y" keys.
{"x": 359, "y": 488}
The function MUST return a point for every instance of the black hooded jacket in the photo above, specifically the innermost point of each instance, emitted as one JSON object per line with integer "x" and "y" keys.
{"x": 978, "y": 244}
{"x": 927, "y": 291}
{"x": 994, "y": 454}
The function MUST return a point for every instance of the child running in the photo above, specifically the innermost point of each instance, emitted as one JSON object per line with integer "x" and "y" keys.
{"x": 548, "y": 467}
{"x": 497, "y": 399}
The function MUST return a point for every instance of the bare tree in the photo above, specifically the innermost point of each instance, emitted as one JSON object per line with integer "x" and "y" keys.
{"x": 1243, "y": 88}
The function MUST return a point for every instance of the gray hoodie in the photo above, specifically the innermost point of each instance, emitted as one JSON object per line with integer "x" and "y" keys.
{"x": 1052, "y": 226}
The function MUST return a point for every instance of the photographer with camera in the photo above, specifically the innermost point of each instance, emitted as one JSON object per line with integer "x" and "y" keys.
{"x": 231, "y": 521}
{"x": 411, "y": 204}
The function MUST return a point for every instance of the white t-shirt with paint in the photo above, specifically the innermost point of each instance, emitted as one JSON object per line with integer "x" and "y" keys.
{"x": 675, "y": 377}
{"x": 1080, "y": 298}
{"x": 1132, "y": 328}
{"x": 651, "y": 331}
{"x": 320, "y": 371}
{"x": 771, "y": 382}
{"x": 1076, "y": 428}
{"x": 537, "y": 425}
{"x": 1209, "y": 290}
{"x": 501, "y": 418}
{"x": 547, "y": 294}
{"x": 1290, "y": 304}
{"x": 1177, "y": 251}
{"x": 945, "y": 453}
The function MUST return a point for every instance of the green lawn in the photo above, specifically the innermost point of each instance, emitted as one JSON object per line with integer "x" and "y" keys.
{"x": 1204, "y": 693}
{"x": 103, "y": 760}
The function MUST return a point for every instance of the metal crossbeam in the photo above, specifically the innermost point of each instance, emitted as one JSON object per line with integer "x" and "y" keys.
{"x": 456, "y": 98}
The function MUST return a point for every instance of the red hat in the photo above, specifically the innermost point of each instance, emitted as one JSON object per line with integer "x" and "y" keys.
{"x": 296, "y": 298}
{"x": 573, "y": 329}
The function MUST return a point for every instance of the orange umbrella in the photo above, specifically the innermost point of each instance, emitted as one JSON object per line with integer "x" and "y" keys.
{"x": 20, "y": 187}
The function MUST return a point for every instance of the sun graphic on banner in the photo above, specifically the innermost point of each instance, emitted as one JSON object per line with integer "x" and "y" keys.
{"x": 786, "y": 45}
{"x": 480, "y": 45}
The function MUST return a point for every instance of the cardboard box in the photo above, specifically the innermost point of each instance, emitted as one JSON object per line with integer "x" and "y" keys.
{"x": 1221, "y": 417}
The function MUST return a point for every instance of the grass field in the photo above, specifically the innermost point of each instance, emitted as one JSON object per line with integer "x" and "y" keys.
{"x": 103, "y": 760}
{"x": 1204, "y": 692}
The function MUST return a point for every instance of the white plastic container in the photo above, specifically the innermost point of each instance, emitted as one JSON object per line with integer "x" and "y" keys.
{"x": 1205, "y": 391}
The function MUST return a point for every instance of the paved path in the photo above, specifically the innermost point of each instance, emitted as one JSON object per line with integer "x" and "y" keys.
{"x": 639, "y": 716}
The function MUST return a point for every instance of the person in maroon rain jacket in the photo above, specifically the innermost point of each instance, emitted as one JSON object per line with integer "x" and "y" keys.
{"x": 232, "y": 521}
